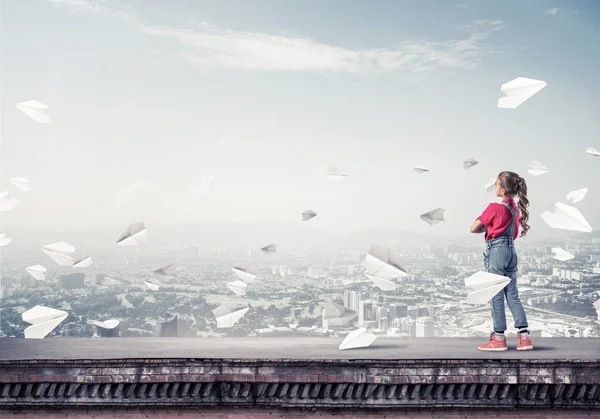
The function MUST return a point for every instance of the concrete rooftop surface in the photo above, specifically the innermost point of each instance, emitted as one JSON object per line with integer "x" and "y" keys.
{"x": 287, "y": 348}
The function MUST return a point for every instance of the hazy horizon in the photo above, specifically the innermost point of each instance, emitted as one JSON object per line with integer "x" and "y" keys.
{"x": 231, "y": 112}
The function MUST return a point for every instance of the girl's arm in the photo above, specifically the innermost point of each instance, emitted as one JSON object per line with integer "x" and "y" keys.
{"x": 478, "y": 227}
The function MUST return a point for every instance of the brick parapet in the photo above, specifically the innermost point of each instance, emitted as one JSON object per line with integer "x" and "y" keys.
{"x": 362, "y": 384}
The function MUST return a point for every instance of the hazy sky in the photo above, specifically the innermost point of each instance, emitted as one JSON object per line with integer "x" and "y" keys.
{"x": 154, "y": 97}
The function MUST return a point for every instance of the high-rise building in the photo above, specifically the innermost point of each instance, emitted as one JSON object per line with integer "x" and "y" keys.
{"x": 425, "y": 327}
{"x": 71, "y": 281}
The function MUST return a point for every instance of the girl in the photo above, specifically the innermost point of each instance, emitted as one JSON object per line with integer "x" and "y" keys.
{"x": 500, "y": 222}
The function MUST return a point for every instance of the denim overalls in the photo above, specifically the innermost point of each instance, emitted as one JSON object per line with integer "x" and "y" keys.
{"x": 500, "y": 258}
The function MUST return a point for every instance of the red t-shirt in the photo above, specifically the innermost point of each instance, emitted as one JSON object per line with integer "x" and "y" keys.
{"x": 496, "y": 218}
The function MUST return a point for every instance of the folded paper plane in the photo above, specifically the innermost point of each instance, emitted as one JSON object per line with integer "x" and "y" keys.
{"x": 151, "y": 286}
{"x": 491, "y": 185}
{"x": 485, "y": 286}
{"x": 308, "y": 214}
{"x": 358, "y": 338}
{"x": 134, "y": 235}
{"x": 43, "y": 320}
{"x": 420, "y": 169}
{"x": 245, "y": 274}
{"x": 562, "y": 255}
{"x": 333, "y": 310}
{"x": 37, "y": 272}
{"x": 21, "y": 183}
{"x": 60, "y": 253}
{"x": 435, "y": 216}
{"x": 536, "y": 168}
{"x": 577, "y": 195}
{"x": 381, "y": 283}
{"x": 4, "y": 240}
{"x": 592, "y": 152}
{"x": 167, "y": 271}
{"x": 35, "y": 110}
{"x": 83, "y": 262}
{"x": 470, "y": 162}
{"x": 228, "y": 314}
{"x": 107, "y": 324}
{"x": 335, "y": 175}
{"x": 381, "y": 263}
{"x": 272, "y": 248}
{"x": 566, "y": 217}
{"x": 7, "y": 201}
{"x": 238, "y": 287}
{"x": 518, "y": 91}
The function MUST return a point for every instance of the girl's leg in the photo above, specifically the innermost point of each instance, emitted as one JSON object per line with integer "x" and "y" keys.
{"x": 498, "y": 312}
{"x": 514, "y": 303}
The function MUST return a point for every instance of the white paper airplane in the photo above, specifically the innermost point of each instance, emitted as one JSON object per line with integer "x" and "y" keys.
{"x": 562, "y": 255}
{"x": 470, "y": 162}
{"x": 35, "y": 110}
{"x": 83, "y": 262}
{"x": 4, "y": 240}
{"x": 577, "y": 195}
{"x": 151, "y": 286}
{"x": 551, "y": 11}
{"x": 7, "y": 201}
{"x": 21, "y": 183}
{"x": 380, "y": 262}
{"x": 37, "y": 272}
{"x": 238, "y": 287}
{"x": 491, "y": 185}
{"x": 43, "y": 320}
{"x": 536, "y": 168}
{"x": 592, "y": 152}
{"x": 335, "y": 175}
{"x": 381, "y": 283}
{"x": 228, "y": 314}
{"x": 134, "y": 235}
{"x": 245, "y": 274}
{"x": 566, "y": 217}
{"x": 272, "y": 248}
{"x": 308, "y": 214}
{"x": 518, "y": 91}
{"x": 358, "y": 338}
{"x": 167, "y": 271}
{"x": 485, "y": 285}
{"x": 420, "y": 169}
{"x": 107, "y": 324}
{"x": 60, "y": 253}
{"x": 435, "y": 216}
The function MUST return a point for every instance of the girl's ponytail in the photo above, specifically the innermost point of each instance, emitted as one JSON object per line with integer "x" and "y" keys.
{"x": 523, "y": 204}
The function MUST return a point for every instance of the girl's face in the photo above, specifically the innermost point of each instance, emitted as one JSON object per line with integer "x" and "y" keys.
{"x": 500, "y": 191}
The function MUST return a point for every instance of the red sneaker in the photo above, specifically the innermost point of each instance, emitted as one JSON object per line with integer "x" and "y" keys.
{"x": 496, "y": 344}
{"x": 524, "y": 342}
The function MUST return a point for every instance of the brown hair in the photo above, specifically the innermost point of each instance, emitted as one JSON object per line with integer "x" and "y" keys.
{"x": 514, "y": 184}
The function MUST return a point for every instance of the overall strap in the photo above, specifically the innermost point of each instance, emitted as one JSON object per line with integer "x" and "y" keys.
{"x": 510, "y": 230}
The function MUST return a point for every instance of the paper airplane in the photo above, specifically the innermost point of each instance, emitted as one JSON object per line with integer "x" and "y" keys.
{"x": 485, "y": 285}
{"x": 592, "y": 152}
{"x": 577, "y": 195}
{"x": 562, "y": 255}
{"x": 7, "y": 201}
{"x": 83, "y": 262}
{"x": 435, "y": 216}
{"x": 4, "y": 240}
{"x": 43, "y": 320}
{"x": 134, "y": 235}
{"x": 335, "y": 175}
{"x": 551, "y": 11}
{"x": 151, "y": 286}
{"x": 60, "y": 253}
{"x": 168, "y": 271}
{"x": 491, "y": 185}
{"x": 228, "y": 314}
{"x": 518, "y": 91}
{"x": 238, "y": 287}
{"x": 381, "y": 283}
{"x": 272, "y": 248}
{"x": 566, "y": 217}
{"x": 536, "y": 168}
{"x": 21, "y": 183}
{"x": 37, "y": 272}
{"x": 107, "y": 324}
{"x": 470, "y": 162}
{"x": 420, "y": 169}
{"x": 35, "y": 110}
{"x": 245, "y": 274}
{"x": 381, "y": 263}
{"x": 333, "y": 310}
{"x": 308, "y": 214}
{"x": 358, "y": 338}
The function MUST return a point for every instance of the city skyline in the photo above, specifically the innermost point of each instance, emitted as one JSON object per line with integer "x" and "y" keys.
{"x": 231, "y": 113}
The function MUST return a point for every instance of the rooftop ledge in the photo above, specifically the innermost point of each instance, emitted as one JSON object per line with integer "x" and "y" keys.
{"x": 297, "y": 372}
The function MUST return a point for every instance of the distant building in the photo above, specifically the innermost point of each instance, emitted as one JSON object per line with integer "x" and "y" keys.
{"x": 71, "y": 281}
{"x": 100, "y": 278}
{"x": 169, "y": 327}
{"x": 425, "y": 327}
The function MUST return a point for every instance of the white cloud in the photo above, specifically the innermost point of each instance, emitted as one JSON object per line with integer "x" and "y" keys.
{"x": 215, "y": 49}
